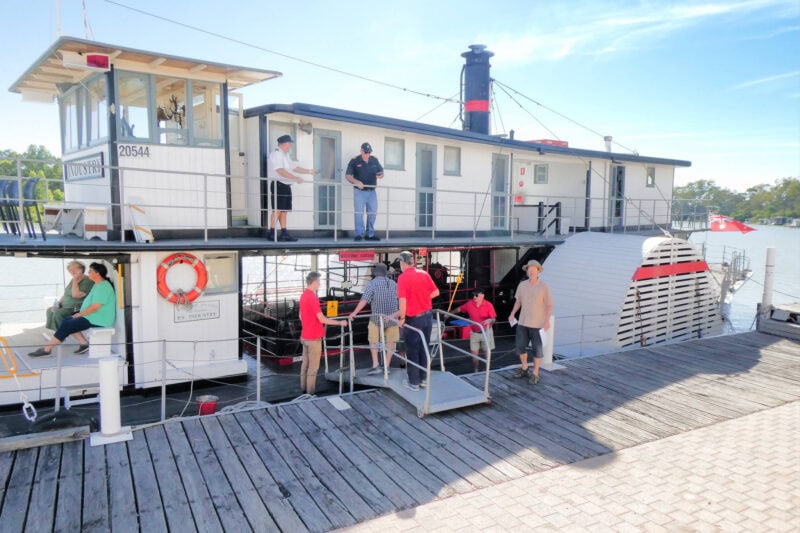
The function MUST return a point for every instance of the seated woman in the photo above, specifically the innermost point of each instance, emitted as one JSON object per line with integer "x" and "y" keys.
{"x": 97, "y": 310}
{"x": 74, "y": 294}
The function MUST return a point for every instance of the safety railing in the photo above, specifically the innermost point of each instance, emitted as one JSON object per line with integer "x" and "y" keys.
{"x": 441, "y": 314}
{"x": 180, "y": 200}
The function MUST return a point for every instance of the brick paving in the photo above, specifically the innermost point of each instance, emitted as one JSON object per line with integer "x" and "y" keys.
{"x": 737, "y": 475}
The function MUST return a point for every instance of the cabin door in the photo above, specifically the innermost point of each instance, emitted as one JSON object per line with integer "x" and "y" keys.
{"x": 238, "y": 169}
{"x": 500, "y": 178}
{"x": 328, "y": 160}
{"x": 616, "y": 212}
{"x": 426, "y": 185}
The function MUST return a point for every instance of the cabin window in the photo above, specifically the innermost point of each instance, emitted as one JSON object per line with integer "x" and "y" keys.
{"x": 651, "y": 177}
{"x": 133, "y": 103}
{"x": 206, "y": 116}
{"x": 71, "y": 121}
{"x": 394, "y": 154}
{"x": 222, "y": 274}
{"x": 97, "y": 112}
{"x": 171, "y": 111}
{"x": 540, "y": 174}
{"x": 452, "y": 161}
{"x": 276, "y": 129}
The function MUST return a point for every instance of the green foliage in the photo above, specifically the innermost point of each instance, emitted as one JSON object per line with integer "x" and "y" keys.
{"x": 759, "y": 201}
{"x": 36, "y": 161}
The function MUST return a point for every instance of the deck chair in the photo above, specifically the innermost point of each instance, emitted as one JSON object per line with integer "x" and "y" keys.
{"x": 9, "y": 194}
{"x": 30, "y": 207}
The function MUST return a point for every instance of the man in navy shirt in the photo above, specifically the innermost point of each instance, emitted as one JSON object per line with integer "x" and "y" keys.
{"x": 363, "y": 172}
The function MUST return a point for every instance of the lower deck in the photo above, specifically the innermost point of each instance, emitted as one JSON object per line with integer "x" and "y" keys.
{"x": 328, "y": 463}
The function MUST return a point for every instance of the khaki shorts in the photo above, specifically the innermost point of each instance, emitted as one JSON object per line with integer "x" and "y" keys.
{"x": 391, "y": 333}
{"x": 477, "y": 342}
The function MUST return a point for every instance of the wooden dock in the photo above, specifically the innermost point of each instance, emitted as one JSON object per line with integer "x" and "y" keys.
{"x": 311, "y": 466}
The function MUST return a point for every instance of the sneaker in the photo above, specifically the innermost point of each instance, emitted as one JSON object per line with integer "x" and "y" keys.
{"x": 423, "y": 383}
{"x": 534, "y": 379}
{"x": 409, "y": 386}
{"x": 358, "y": 238}
{"x": 520, "y": 373}
{"x": 40, "y": 352}
{"x": 83, "y": 348}
{"x": 374, "y": 370}
{"x": 285, "y": 237}
{"x": 373, "y": 238}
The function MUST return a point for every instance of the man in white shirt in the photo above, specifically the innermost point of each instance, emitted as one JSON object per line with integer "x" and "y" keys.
{"x": 279, "y": 172}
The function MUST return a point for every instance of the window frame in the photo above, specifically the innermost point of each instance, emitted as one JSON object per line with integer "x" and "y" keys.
{"x": 536, "y": 167}
{"x": 387, "y": 165}
{"x": 457, "y": 171}
{"x": 273, "y": 140}
{"x": 650, "y": 178}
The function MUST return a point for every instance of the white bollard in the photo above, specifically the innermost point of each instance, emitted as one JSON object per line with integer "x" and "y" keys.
{"x": 769, "y": 278}
{"x": 548, "y": 342}
{"x": 110, "y": 413}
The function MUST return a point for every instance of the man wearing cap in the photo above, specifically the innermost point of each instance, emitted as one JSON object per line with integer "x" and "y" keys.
{"x": 381, "y": 295}
{"x": 363, "y": 172}
{"x": 279, "y": 173}
{"x": 535, "y": 303}
{"x": 313, "y": 323}
{"x": 415, "y": 290}
{"x": 481, "y": 311}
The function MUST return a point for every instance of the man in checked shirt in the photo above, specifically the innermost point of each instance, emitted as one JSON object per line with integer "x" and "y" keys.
{"x": 381, "y": 295}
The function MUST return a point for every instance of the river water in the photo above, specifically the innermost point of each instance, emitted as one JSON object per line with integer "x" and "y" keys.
{"x": 28, "y": 286}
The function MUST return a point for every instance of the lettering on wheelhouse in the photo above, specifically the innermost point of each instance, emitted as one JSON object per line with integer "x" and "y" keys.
{"x": 198, "y": 311}
{"x": 84, "y": 168}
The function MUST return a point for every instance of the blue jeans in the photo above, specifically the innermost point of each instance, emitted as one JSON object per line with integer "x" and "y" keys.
{"x": 415, "y": 349}
{"x": 365, "y": 198}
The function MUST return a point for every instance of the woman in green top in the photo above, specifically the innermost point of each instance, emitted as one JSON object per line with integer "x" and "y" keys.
{"x": 74, "y": 294}
{"x": 97, "y": 310}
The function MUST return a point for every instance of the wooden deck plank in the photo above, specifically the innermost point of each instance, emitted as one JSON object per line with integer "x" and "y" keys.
{"x": 122, "y": 497}
{"x": 329, "y": 504}
{"x": 498, "y": 469}
{"x": 200, "y": 501}
{"x": 145, "y": 486}
{"x": 429, "y": 439}
{"x": 6, "y": 460}
{"x": 177, "y": 510}
{"x": 281, "y": 510}
{"x": 416, "y": 446}
{"x": 222, "y": 494}
{"x": 373, "y": 454}
{"x": 254, "y": 509}
{"x": 42, "y": 505}
{"x": 356, "y": 504}
{"x": 290, "y": 487}
{"x": 15, "y": 504}
{"x": 95, "y": 489}
{"x": 374, "y": 486}
{"x": 383, "y": 441}
{"x": 70, "y": 487}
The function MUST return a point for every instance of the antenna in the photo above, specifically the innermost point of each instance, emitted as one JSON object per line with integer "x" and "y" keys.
{"x": 87, "y": 27}
{"x": 58, "y": 19}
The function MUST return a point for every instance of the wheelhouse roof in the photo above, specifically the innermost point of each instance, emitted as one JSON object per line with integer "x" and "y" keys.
{"x": 47, "y": 73}
{"x": 342, "y": 115}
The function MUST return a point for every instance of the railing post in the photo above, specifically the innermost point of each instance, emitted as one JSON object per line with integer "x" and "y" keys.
{"x": 57, "y": 406}
{"x": 122, "y": 206}
{"x": 258, "y": 370}
{"x": 163, "y": 380}
{"x": 20, "y": 202}
{"x": 205, "y": 207}
{"x": 580, "y": 336}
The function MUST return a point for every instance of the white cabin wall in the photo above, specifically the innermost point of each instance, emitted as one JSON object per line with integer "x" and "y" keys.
{"x": 160, "y": 191}
{"x": 566, "y": 183}
{"x": 89, "y": 190}
{"x": 252, "y": 148}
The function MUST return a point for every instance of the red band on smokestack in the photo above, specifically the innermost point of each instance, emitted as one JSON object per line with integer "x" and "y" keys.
{"x": 476, "y": 105}
{"x": 660, "y": 271}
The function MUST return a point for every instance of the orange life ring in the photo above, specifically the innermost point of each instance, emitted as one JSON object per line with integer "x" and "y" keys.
{"x": 180, "y": 297}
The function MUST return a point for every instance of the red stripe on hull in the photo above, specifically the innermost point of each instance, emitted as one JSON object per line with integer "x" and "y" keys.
{"x": 660, "y": 271}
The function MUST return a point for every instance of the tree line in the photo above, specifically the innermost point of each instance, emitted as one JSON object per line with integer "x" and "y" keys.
{"x": 760, "y": 201}
{"x": 41, "y": 164}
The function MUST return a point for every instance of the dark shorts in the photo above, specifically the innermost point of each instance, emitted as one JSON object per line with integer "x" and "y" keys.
{"x": 284, "y": 196}
{"x": 529, "y": 336}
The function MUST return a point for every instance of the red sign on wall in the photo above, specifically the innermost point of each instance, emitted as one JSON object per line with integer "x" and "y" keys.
{"x": 357, "y": 255}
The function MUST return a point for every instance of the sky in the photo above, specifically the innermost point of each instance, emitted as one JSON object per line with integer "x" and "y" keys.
{"x": 716, "y": 83}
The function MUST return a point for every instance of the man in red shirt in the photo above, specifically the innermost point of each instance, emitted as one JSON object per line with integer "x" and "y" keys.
{"x": 313, "y": 322}
{"x": 481, "y": 311}
{"x": 415, "y": 290}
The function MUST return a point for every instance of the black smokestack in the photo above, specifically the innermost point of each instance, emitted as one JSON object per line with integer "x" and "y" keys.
{"x": 476, "y": 83}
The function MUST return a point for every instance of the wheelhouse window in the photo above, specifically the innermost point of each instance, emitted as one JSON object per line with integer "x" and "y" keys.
{"x": 133, "y": 104}
{"x": 452, "y": 161}
{"x": 171, "y": 110}
{"x": 71, "y": 121}
{"x": 207, "y": 115}
{"x": 394, "y": 154}
{"x": 97, "y": 111}
{"x": 651, "y": 177}
{"x": 540, "y": 174}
